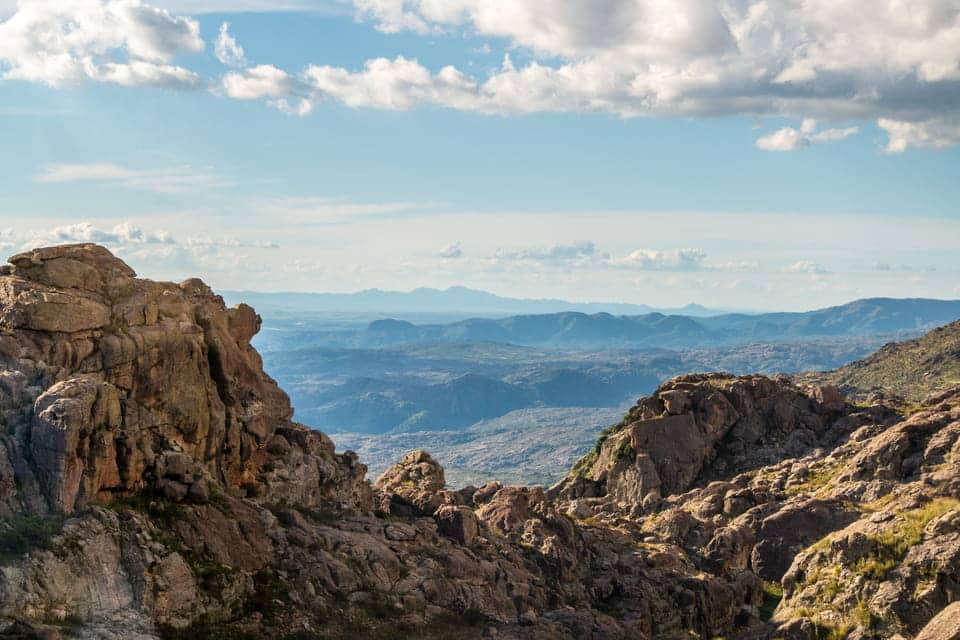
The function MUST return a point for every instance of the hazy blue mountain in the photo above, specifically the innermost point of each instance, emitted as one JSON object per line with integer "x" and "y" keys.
{"x": 450, "y": 386}
{"x": 454, "y": 300}
{"x": 576, "y": 329}
{"x": 393, "y": 375}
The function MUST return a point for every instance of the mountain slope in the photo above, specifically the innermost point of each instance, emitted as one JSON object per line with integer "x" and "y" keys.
{"x": 453, "y": 300}
{"x": 573, "y": 329}
{"x": 153, "y": 487}
{"x": 912, "y": 369}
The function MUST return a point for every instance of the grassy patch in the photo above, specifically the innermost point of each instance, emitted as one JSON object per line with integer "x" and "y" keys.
{"x": 890, "y": 546}
{"x": 772, "y": 595}
{"x": 834, "y": 633}
{"x": 878, "y": 504}
{"x": 863, "y": 616}
{"x": 816, "y": 480}
{"x": 21, "y": 533}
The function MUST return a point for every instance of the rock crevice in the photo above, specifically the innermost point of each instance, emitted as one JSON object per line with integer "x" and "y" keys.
{"x": 153, "y": 485}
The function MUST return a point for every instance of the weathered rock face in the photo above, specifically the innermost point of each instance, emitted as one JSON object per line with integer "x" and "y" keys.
{"x": 697, "y": 428}
{"x": 945, "y": 626}
{"x": 898, "y": 563}
{"x": 137, "y": 416}
{"x": 120, "y": 372}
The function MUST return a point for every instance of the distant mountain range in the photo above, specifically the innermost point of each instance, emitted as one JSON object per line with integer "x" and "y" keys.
{"x": 454, "y": 300}
{"x": 580, "y": 330}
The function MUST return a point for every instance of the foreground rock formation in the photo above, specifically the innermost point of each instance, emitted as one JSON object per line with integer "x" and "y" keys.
{"x": 153, "y": 485}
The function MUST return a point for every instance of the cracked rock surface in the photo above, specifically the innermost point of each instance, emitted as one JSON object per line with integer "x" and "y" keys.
{"x": 153, "y": 485}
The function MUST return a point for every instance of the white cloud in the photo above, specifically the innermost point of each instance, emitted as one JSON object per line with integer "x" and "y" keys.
{"x": 123, "y": 233}
{"x": 578, "y": 252}
{"x": 790, "y": 139}
{"x": 227, "y": 241}
{"x": 656, "y": 260}
{"x": 806, "y": 266}
{"x": 398, "y": 84}
{"x": 152, "y": 251}
{"x": 199, "y": 7}
{"x": 936, "y": 133}
{"x": 121, "y": 41}
{"x": 825, "y": 59}
{"x": 164, "y": 180}
{"x": 227, "y": 50}
{"x": 681, "y": 57}
{"x": 395, "y": 252}
{"x": 261, "y": 81}
{"x": 586, "y": 255}
{"x": 451, "y": 251}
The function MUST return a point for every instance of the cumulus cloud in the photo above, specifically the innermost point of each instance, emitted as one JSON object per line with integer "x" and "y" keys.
{"x": 158, "y": 249}
{"x": 123, "y": 233}
{"x": 586, "y": 255}
{"x": 451, "y": 251}
{"x": 397, "y": 84}
{"x": 806, "y": 266}
{"x": 656, "y": 260}
{"x": 163, "y": 180}
{"x": 261, "y": 81}
{"x": 126, "y": 42}
{"x": 790, "y": 139}
{"x": 577, "y": 252}
{"x": 683, "y": 57}
{"x": 227, "y": 50}
{"x": 627, "y": 57}
{"x": 936, "y": 133}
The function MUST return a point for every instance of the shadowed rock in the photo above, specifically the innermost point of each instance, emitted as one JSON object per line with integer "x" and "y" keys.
{"x": 152, "y": 484}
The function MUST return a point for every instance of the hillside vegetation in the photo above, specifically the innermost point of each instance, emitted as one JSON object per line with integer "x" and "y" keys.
{"x": 912, "y": 370}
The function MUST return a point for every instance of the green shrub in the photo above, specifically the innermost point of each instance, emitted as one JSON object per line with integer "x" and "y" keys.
{"x": 606, "y": 433}
{"x": 278, "y": 450}
{"x": 21, "y": 533}
{"x": 161, "y": 511}
{"x": 270, "y": 596}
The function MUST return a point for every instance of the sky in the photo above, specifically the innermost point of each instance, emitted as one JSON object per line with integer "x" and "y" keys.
{"x": 734, "y": 153}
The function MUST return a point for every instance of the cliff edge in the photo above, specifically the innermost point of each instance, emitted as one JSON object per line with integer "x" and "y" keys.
{"x": 153, "y": 485}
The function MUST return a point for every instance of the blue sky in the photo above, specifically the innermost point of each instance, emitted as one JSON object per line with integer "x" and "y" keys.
{"x": 535, "y": 176}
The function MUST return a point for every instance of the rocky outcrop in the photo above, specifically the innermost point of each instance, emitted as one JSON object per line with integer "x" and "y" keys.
{"x": 121, "y": 385}
{"x": 153, "y": 485}
{"x": 945, "y": 626}
{"x": 697, "y": 428}
{"x": 898, "y": 564}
